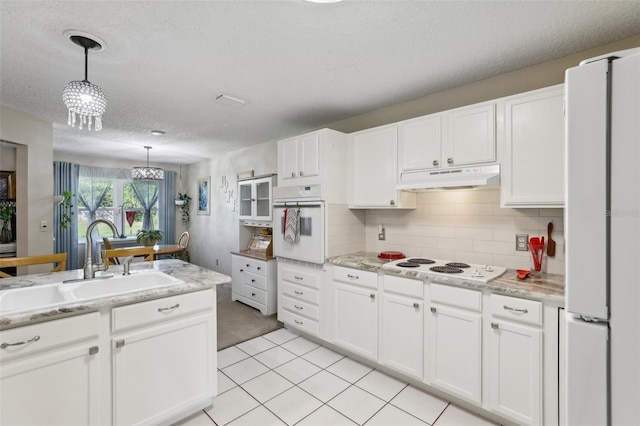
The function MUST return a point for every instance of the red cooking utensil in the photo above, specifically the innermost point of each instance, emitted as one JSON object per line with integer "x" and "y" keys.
{"x": 536, "y": 246}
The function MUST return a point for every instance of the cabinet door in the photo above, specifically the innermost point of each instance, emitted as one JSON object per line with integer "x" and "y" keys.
{"x": 471, "y": 135}
{"x": 356, "y": 319}
{"x": 59, "y": 387}
{"x": 161, "y": 370}
{"x": 419, "y": 143}
{"x": 374, "y": 167}
{"x": 516, "y": 372}
{"x": 246, "y": 199}
{"x": 262, "y": 206}
{"x": 237, "y": 273}
{"x": 454, "y": 351}
{"x": 401, "y": 334}
{"x": 309, "y": 155}
{"x": 288, "y": 159}
{"x": 533, "y": 167}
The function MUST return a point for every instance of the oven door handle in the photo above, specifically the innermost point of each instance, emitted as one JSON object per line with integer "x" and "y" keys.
{"x": 298, "y": 204}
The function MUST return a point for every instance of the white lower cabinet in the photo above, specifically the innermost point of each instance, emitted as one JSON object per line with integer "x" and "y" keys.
{"x": 454, "y": 342}
{"x": 50, "y": 373}
{"x": 515, "y": 369}
{"x": 355, "y": 308}
{"x": 166, "y": 361}
{"x": 152, "y": 362}
{"x": 299, "y": 297}
{"x": 401, "y": 325}
{"x": 253, "y": 282}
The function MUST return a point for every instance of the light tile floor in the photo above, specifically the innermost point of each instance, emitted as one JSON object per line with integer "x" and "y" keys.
{"x": 284, "y": 379}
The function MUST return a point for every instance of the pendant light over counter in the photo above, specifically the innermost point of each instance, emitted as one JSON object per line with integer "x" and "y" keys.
{"x": 147, "y": 173}
{"x": 84, "y": 100}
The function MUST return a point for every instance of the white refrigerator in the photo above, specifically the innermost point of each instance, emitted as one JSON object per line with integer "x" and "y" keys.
{"x": 602, "y": 236}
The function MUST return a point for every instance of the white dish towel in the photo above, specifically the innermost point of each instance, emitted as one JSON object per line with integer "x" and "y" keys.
{"x": 291, "y": 225}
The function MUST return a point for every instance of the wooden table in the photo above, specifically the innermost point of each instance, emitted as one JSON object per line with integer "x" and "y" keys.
{"x": 160, "y": 249}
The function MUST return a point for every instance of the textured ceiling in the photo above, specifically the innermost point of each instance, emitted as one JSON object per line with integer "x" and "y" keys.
{"x": 298, "y": 65}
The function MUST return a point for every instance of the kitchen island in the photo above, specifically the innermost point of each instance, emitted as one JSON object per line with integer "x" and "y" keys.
{"x": 141, "y": 357}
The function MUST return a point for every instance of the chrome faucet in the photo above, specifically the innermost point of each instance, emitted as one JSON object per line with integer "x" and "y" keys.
{"x": 91, "y": 268}
{"x": 127, "y": 264}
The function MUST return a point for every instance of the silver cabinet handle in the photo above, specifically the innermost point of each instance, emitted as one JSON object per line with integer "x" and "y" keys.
{"x": 509, "y": 308}
{"x": 372, "y": 296}
{"x": 436, "y": 162}
{"x": 298, "y": 322}
{"x": 494, "y": 325}
{"x": 170, "y": 308}
{"x": 253, "y": 294}
{"x": 24, "y": 342}
{"x": 449, "y": 160}
{"x": 299, "y": 293}
{"x": 301, "y": 173}
{"x": 241, "y": 270}
{"x": 248, "y": 265}
{"x": 416, "y": 305}
{"x": 433, "y": 310}
{"x": 253, "y": 280}
{"x": 298, "y": 307}
{"x": 93, "y": 350}
{"x": 392, "y": 202}
{"x": 258, "y": 268}
{"x": 119, "y": 343}
{"x": 298, "y": 278}
{"x": 353, "y": 277}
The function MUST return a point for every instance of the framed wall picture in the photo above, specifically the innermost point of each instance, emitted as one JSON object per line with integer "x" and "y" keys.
{"x": 204, "y": 195}
{"x": 7, "y": 185}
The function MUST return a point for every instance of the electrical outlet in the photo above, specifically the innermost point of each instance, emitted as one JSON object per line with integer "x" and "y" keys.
{"x": 381, "y": 233}
{"x": 522, "y": 242}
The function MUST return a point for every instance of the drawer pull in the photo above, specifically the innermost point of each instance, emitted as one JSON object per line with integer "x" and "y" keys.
{"x": 24, "y": 342}
{"x": 298, "y": 278}
{"x": 416, "y": 305}
{"x": 253, "y": 281}
{"x": 258, "y": 268}
{"x": 433, "y": 309}
{"x": 372, "y": 296}
{"x": 93, "y": 350}
{"x": 253, "y": 294}
{"x": 494, "y": 325}
{"x": 241, "y": 270}
{"x": 509, "y": 308}
{"x": 293, "y": 174}
{"x": 435, "y": 162}
{"x": 299, "y": 293}
{"x": 119, "y": 343}
{"x": 248, "y": 265}
{"x": 449, "y": 160}
{"x": 298, "y": 322}
{"x": 298, "y": 307}
{"x": 353, "y": 277}
{"x": 170, "y": 308}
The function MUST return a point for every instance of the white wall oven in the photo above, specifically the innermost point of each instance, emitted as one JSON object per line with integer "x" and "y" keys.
{"x": 299, "y": 224}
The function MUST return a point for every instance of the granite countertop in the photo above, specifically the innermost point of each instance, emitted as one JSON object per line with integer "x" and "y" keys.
{"x": 195, "y": 278}
{"x": 548, "y": 288}
{"x": 253, "y": 255}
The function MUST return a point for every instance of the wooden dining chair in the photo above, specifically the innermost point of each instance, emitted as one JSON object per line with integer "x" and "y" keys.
{"x": 109, "y": 246}
{"x": 59, "y": 258}
{"x": 109, "y": 257}
{"x": 183, "y": 243}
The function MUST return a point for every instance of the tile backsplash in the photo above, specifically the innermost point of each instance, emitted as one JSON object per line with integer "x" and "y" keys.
{"x": 465, "y": 226}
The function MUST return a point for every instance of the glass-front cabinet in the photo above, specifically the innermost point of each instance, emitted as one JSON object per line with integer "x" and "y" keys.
{"x": 255, "y": 197}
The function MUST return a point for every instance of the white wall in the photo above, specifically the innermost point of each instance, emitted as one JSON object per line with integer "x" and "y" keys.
{"x": 214, "y": 236}
{"x": 466, "y": 226}
{"x": 34, "y": 173}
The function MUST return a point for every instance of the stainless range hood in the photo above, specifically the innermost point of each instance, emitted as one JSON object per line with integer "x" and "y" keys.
{"x": 464, "y": 177}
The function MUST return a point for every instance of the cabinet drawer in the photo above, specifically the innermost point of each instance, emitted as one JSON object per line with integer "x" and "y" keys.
{"x": 356, "y": 276}
{"x": 254, "y": 294}
{"x": 513, "y": 308}
{"x": 457, "y": 296}
{"x": 256, "y": 281}
{"x": 300, "y": 277}
{"x": 404, "y": 286}
{"x": 300, "y": 292}
{"x": 300, "y": 308}
{"x": 254, "y": 266}
{"x": 163, "y": 309}
{"x": 48, "y": 335}
{"x": 308, "y": 325}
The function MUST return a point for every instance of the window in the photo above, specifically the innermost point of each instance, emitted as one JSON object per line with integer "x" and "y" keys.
{"x": 101, "y": 195}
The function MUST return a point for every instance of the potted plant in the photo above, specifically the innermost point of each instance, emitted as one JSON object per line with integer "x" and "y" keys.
{"x": 149, "y": 237}
{"x": 183, "y": 200}
{"x": 66, "y": 213}
{"x": 6, "y": 213}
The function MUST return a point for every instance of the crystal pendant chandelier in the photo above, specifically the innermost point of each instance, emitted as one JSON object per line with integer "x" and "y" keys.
{"x": 84, "y": 100}
{"x": 147, "y": 173}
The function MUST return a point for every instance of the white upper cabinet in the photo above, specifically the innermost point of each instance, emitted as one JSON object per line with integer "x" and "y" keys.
{"x": 533, "y": 166}
{"x": 451, "y": 139}
{"x": 299, "y": 157}
{"x": 374, "y": 162}
{"x": 255, "y": 198}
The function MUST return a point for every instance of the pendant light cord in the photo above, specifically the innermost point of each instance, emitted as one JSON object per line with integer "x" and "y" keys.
{"x": 86, "y": 64}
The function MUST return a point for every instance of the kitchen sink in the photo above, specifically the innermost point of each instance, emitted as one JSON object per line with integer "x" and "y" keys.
{"x": 53, "y": 295}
